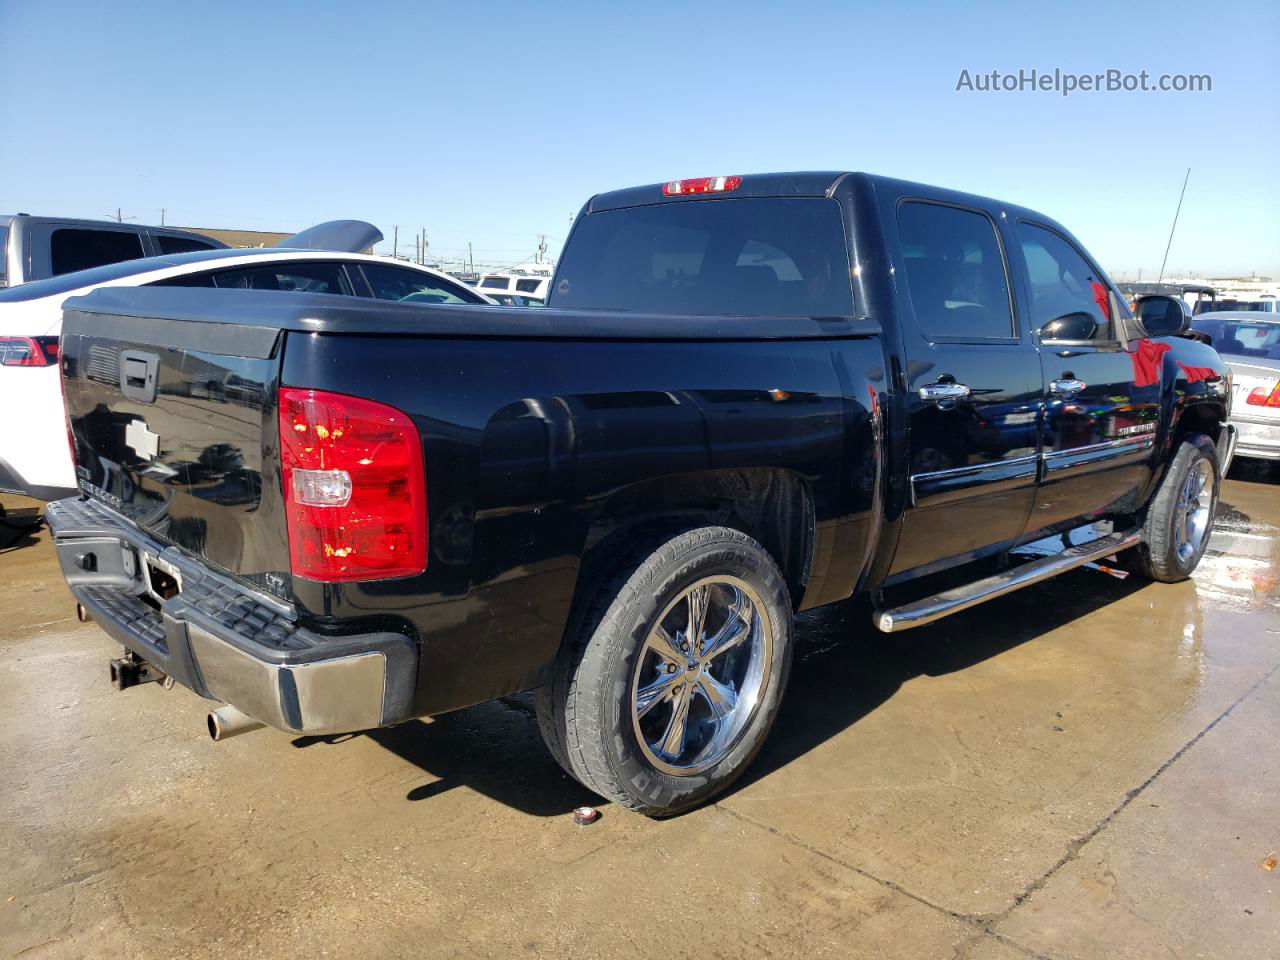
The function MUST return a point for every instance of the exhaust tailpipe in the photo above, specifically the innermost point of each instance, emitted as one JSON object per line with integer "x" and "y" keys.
{"x": 82, "y": 614}
{"x": 227, "y": 722}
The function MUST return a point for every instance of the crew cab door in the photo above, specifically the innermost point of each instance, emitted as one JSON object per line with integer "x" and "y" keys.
{"x": 972, "y": 387}
{"x": 1101, "y": 393}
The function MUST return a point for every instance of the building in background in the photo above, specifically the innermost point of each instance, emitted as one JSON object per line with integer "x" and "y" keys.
{"x": 242, "y": 238}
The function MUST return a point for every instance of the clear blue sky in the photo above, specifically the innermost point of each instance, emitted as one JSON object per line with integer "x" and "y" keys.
{"x": 492, "y": 122}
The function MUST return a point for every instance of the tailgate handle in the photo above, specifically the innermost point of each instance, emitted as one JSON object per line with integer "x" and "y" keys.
{"x": 138, "y": 375}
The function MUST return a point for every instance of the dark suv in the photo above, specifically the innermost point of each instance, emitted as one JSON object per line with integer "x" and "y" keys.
{"x": 34, "y": 248}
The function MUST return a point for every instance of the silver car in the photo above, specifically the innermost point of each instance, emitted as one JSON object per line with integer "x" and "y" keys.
{"x": 1250, "y": 343}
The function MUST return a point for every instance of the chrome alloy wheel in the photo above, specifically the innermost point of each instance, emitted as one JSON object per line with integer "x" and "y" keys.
{"x": 1195, "y": 505}
{"x": 701, "y": 675}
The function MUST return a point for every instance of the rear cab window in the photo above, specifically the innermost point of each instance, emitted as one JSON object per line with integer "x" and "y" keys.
{"x": 72, "y": 249}
{"x": 4, "y": 255}
{"x": 775, "y": 256}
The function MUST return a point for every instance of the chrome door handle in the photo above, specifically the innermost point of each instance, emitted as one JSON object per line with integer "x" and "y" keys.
{"x": 937, "y": 392}
{"x": 1066, "y": 388}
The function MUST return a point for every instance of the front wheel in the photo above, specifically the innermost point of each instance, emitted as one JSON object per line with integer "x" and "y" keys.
{"x": 1180, "y": 516}
{"x": 675, "y": 676}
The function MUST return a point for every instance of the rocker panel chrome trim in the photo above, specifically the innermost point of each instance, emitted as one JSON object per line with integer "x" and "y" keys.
{"x": 971, "y": 594}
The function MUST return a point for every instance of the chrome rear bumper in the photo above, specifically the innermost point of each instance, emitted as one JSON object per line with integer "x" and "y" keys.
{"x": 1257, "y": 438}
{"x": 225, "y": 641}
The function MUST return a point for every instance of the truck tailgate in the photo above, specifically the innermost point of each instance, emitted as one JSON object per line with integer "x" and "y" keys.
{"x": 172, "y": 422}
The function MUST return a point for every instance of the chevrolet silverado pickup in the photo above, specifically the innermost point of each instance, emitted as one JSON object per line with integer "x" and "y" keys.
{"x": 747, "y": 397}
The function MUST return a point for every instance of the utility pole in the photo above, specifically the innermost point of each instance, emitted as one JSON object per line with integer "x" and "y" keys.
{"x": 542, "y": 248}
{"x": 471, "y": 260}
{"x": 1175, "y": 224}
{"x": 162, "y": 216}
{"x": 424, "y": 246}
{"x": 395, "y": 243}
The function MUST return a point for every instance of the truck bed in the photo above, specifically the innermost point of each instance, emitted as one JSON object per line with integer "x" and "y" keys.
{"x": 239, "y": 312}
{"x": 546, "y": 434}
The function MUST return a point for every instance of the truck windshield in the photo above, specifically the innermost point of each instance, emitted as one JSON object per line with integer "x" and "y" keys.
{"x": 783, "y": 257}
{"x": 1243, "y": 338}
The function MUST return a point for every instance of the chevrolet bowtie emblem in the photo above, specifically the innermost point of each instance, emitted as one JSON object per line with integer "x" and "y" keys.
{"x": 141, "y": 440}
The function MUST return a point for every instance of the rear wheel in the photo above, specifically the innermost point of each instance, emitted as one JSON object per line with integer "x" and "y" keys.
{"x": 672, "y": 681}
{"x": 1180, "y": 516}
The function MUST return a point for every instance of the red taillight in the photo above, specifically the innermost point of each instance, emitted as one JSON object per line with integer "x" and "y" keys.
{"x": 681, "y": 188}
{"x": 1259, "y": 397}
{"x": 355, "y": 495}
{"x": 28, "y": 351}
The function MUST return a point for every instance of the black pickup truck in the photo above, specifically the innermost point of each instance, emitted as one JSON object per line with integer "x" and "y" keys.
{"x": 748, "y": 396}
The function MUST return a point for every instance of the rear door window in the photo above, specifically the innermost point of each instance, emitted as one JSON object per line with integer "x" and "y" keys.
{"x": 783, "y": 257}
{"x": 170, "y": 244}
{"x": 187, "y": 280}
{"x": 413, "y": 286}
{"x": 956, "y": 274}
{"x": 72, "y": 249}
{"x": 527, "y": 286}
{"x": 289, "y": 277}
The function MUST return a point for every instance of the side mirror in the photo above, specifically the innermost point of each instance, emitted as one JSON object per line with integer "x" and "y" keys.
{"x": 1070, "y": 326}
{"x": 1162, "y": 316}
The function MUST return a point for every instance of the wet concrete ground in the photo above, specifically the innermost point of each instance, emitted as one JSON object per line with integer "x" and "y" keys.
{"x": 1087, "y": 768}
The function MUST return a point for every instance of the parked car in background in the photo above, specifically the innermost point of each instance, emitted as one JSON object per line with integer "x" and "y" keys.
{"x": 34, "y": 458}
{"x": 35, "y": 248}
{"x": 747, "y": 396}
{"x": 1263, "y": 305}
{"x": 1249, "y": 341}
{"x": 533, "y": 282}
{"x": 1198, "y": 295}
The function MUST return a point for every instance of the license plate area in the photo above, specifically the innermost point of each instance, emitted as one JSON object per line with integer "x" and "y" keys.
{"x": 161, "y": 578}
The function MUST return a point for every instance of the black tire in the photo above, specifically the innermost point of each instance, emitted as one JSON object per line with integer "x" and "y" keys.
{"x": 586, "y": 712}
{"x": 1158, "y": 557}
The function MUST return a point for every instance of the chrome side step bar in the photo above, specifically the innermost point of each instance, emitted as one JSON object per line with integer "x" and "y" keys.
{"x": 951, "y": 601}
